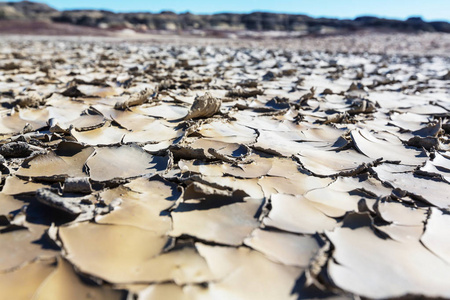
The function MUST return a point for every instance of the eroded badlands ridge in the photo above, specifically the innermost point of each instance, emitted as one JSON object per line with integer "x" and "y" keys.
{"x": 166, "y": 20}
{"x": 188, "y": 172}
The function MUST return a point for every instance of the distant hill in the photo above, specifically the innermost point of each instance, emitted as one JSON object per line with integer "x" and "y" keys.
{"x": 257, "y": 21}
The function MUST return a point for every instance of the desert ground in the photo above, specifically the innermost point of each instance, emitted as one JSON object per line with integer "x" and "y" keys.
{"x": 178, "y": 167}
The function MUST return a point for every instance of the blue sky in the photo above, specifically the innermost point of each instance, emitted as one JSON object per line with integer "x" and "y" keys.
{"x": 398, "y": 9}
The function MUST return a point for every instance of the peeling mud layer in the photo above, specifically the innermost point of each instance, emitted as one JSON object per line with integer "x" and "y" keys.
{"x": 157, "y": 170}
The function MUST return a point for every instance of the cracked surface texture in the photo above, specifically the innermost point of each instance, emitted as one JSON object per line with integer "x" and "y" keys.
{"x": 161, "y": 170}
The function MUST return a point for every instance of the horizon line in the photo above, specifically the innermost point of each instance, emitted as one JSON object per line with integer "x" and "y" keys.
{"x": 256, "y": 11}
{"x": 184, "y": 11}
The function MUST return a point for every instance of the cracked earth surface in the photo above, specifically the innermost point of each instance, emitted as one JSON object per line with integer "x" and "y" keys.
{"x": 141, "y": 171}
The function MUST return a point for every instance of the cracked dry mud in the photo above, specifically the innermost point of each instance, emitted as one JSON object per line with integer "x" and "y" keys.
{"x": 201, "y": 172}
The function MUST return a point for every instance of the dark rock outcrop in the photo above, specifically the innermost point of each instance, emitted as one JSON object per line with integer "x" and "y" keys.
{"x": 256, "y": 21}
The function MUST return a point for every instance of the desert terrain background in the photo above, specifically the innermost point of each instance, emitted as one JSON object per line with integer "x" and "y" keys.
{"x": 250, "y": 155}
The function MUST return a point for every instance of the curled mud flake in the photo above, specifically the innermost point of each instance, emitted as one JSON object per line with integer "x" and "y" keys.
{"x": 187, "y": 152}
{"x": 16, "y": 149}
{"x": 27, "y": 128}
{"x": 72, "y": 206}
{"x": 166, "y": 84}
{"x": 428, "y": 143}
{"x": 73, "y": 92}
{"x": 269, "y": 76}
{"x": 52, "y": 235}
{"x": 10, "y": 66}
{"x": 317, "y": 263}
{"x": 308, "y": 96}
{"x": 244, "y": 93}
{"x": 77, "y": 185}
{"x": 432, "y": 130}
{"x": 135, "y": 99}
{"x": 392, "y": 149}
{"x": 18, "y": 221}
{"x": 32, "y": 99}
{"x": 362, "y": 106}
{"x": 439, "y": 166}
{"x": 204, "y": 107}
{"x": 248, "y": 83}
{"x": 337, "y": 118}
{"x": 56, "y": 127}
{"x": 327, "y": 91}
{"x": 198, "y": 191}
{"x": 78, "y": 208}
{"x": 355, "y": 87}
